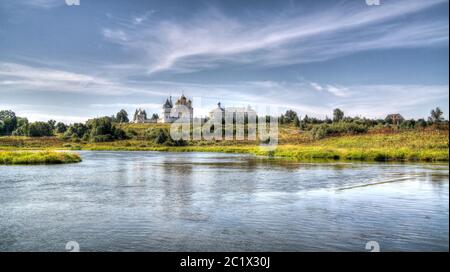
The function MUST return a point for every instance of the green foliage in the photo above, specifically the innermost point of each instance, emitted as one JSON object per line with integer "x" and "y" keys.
{"x": 297, "y": 121}
{"x": 77, "y": 130}
{"x": 436, "y": 116}
{"x": 161, "y": 136}
{"x": 101, "y": 138}
{"x": 119, "y": 133}
{"x": 394, "y": 119}
{"x": 338, "y": 115}
{"x": 102, "y": 130}
{"x": 155, "y": 116}
{"x": 41, "y": 157}
{"x": 324, "y": 130}
{"x": 289, "y": 117}
{"x": 52, "y": 124}
{"x": 40, "y": 129}
{"x": 22, "y": 127}
{"x": 122, "y": 117}
{"x": 100, "y": 126}
{"x": 60, "y": 127}
{"x": 8, "y": 122}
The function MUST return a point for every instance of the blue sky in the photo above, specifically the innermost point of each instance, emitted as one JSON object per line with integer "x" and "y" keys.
{"x": 71, "y": 63}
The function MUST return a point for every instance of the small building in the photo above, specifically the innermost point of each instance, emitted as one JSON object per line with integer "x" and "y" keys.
{"x": 140, "y": 116}
{"x": 218, "y": 112}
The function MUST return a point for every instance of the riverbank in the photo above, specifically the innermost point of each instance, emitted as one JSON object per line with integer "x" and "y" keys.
{"x": 429, "y": 146}
{"x": 37, "y": 157}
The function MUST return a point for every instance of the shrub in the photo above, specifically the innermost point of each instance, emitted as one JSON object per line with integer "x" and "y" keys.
{"x": 60, "y": 127}
{"x": 324, "y": 130}
{"x": 77, "y": 130}
{"x": 119, "y": 134}
{"x": 102, "y": 138}
{"x": 40, "y": 129}
{"x": 162, "y": 136}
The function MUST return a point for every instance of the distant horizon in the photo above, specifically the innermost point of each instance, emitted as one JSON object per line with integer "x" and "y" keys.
{"x": 73, "y": 63}
{"x": 204, "y": 112}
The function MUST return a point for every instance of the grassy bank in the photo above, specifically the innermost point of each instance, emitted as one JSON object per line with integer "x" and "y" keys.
{"x": 37, "y": 157}
{"x": 413, "y": 145}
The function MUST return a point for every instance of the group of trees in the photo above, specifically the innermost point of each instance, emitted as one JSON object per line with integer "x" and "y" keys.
{"x": 340, "y": 123}
{"x": 291, "y": 117}
{"x": 105, "y": 128}
{"x": 162, "y": 136}
{"x": 10, "y": 124}
{"x": 97, "y": 129}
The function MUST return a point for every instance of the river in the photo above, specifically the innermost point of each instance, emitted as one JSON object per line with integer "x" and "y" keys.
{"x": 155, "y": 201}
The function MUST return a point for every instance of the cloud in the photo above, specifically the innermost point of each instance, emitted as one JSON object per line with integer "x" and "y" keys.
{"x": 316, "y": 86}
{"x": 117, "y": 35}
{"x": 33, "y": 78}
{"x": 128, "y": 105}
{"x": 211, "y": 38}
{"x": 139, "y": 19}
{"x": 318, "y": 99}
{"x": 337, "y": 91}
{"x": 39, "y": 4}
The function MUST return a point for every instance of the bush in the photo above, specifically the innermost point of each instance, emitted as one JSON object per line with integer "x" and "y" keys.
{"x": 102, "y": 138}
{"x": 119, "y": 134}
{"x": 77, "y": 130}
{"x": 40, "y": 129}
{"x": 162, "y": 137}
{"x": 324, "y": 130}
{"x": 60, "y": 127}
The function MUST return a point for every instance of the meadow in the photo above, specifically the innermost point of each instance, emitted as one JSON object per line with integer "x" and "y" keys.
{"x": 429, "y": 145}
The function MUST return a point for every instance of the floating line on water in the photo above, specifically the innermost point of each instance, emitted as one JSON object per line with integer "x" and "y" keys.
{"x": 378, "y": 183}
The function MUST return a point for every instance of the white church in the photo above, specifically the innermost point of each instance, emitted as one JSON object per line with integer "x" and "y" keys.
{"x": 140, "y": 116}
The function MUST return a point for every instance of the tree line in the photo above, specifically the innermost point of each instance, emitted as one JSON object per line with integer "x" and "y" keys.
{"x": 105, "y": 128}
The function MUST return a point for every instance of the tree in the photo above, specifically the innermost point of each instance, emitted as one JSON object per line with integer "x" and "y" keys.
{"x": 100, "y": 126}
{"x": 77, "y": 130}
{"x": 61, "y": 127}
{"x": 297, "y": 121}
{"x": 155, "y": 116}
{"x": 436, "y": 116}
{"x": 421, "y": 123}
{"x": 394, "y": 119}
{"x": 52, "y": 123}
{"x": 8, "y": 122}
{"x": 122, "y": 116}
{"x": 289, "y": 116}
{"x": 306, "y": 119}
{"x": 40, "y": 129}
{"x": 22, "y": 127}
{"x": 338, "y": 115}
{"x": 102, "y": 130}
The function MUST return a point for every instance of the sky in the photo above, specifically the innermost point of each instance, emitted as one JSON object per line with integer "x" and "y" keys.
{"x": 74, "y": 62}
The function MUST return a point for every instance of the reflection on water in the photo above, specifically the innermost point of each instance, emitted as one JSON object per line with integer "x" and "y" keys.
{"x": 150, "y": 201}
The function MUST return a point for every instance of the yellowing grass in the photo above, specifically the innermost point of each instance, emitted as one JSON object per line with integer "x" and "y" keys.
{"x": 414, "y": 145}
{"x": 38, "y": 157}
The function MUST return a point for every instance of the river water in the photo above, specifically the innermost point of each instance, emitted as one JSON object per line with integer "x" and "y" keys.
{"x": 152, "y": 201}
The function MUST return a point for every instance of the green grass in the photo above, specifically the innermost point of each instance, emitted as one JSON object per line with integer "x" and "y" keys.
{"x": 37, "y": 157}
{"x": 413, "y": 145}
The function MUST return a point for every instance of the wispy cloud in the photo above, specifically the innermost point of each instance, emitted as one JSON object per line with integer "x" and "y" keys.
{"x": 39, "y": 4}
{"x": 24, "y": 77}
{"x": 139, "y": 19}
{"x": 212, "y": 38}
{"x": 312, "y": 98}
